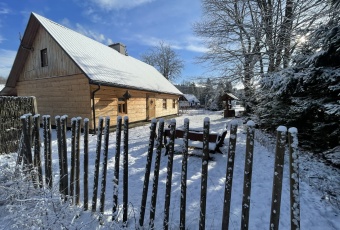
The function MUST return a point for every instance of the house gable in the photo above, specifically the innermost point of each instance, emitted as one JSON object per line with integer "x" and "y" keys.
{"x": 58, "y": 62}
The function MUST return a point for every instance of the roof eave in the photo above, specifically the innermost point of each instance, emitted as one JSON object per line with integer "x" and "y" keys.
{"x": 94, "y": 82}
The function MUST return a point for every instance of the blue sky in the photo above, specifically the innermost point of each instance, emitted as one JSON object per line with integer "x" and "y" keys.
{"x": 139, "y": 24}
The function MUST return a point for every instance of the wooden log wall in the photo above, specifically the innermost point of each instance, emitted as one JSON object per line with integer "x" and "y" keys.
{"x": 12, "y": 108}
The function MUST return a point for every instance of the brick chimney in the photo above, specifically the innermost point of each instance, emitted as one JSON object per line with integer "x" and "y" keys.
{"x": 120, "y": 47}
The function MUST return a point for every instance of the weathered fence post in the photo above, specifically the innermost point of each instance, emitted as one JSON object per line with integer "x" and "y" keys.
{"x": 248, "y": 171}
{"x": 26, "y": 150}
{"x": 73, "y": 156}
{"x": 294, "y": 179}
{"x": 204, "y": 176}
{"x": 77, "y": 161}
{"x": 277, "y": 179}
{"x": 86, "y": 163}
{"x": 147, "y": 171}
{"x": 37, "y": 150}
{"x": 116, "y": 169}
{"x": 156, "y": 172}
{"x": 96, "y": 166}
{"x": 184, "y": 175}
{"x": 47, "y": 150}
{"x": 169, "y": 175}
{"x": 60, "y": 154}
{"x": 126, "y": 170}
{"x": 229, "y": 174}
{"x": 105, "y": 155}
{"x": 63, "y": 144}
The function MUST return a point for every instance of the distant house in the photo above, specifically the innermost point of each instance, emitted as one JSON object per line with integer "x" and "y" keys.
{"x": 71, "y": 74}
{"x": 188, "y": 100}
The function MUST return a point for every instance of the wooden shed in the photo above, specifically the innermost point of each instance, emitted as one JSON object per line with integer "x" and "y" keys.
{"x": 71, "y": 74}
{"x": 228, "y": 111}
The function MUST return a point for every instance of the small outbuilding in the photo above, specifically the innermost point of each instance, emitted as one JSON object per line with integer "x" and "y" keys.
{"x": 188, "y": 100}
{"x": 72, "y": 74}
{"x": 228, "y": 98}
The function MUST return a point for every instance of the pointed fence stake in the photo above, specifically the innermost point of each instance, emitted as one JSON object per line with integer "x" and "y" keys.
{"x": 86, "y": 163}
{"x": 48, "y": 149}
{"x": 147, "y": 171}
{"x": 64, "y": 175}
{"x": 116, "y": 169}
{"x": 73, "y": 160}
{"x": 229, "y": 174}
{"x": 248, "y": 171}
{"x": 156, "y": 172}
{"x": 294, "y": 179}
{"x": 104, "y": 168}
{"x": 169, "y": 175}
{"x": 37, "y": 151}
{"x": 77, "y": 161}
{"x": 204, "y": 176}
{"x": 184, "y": 175}
{"x": 96, "y": 166}
{"x": 126, "y": 170}
{"x": 277, "y": 179}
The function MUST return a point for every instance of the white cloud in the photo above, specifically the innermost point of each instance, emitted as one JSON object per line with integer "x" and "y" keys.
{"x": 89, "y": 33}
{"x": 1, "y": 39}
{"x": 6, "y": 61}
{"x": 189, "y": 43}
{"x": 119, "y": 4}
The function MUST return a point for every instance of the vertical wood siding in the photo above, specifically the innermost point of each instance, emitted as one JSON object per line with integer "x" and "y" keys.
{"x": 59, "y": 63}
{"x": 68, "y": 95}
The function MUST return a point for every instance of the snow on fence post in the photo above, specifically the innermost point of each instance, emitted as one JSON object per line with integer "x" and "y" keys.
{"x": 184, "y": 175}
{"x": 77, "y": 160}
{"x": 47, "y": 149}
{"x": 37, "y": 150}
{"x": 73, "y": 156}
{"x": 116, "y": 169}
{"x": 125, "y": 170}
{"x": 248, "y": 171}
{"x": 147, "y": 171}
{"x": 204, "y": 175}
{"x": 277, "y": 178}
{"x": 156, "y": 172}
{"x": 169, "y": 175}
{"x": 86, "y": 163}
{"x": 64, "y": 175}
{"x": 229, "y": 174}
{"x": 96, "y": 164}
{"x": 27, "y": 151}
{"x": 105, "y": 155}
{"x": 60, "y": 154}
{"x": 294, "y": 179}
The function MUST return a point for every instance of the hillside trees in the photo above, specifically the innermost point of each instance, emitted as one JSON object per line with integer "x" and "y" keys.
{"x": 165, "y": 60}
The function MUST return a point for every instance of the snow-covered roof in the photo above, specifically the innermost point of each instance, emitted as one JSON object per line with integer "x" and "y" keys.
{"x": 2, "y": 86}
{"x": 191, "y": 98}
{"x": 104, "y": 65}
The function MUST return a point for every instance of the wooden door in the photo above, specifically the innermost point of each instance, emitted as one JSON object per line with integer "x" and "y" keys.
{"x": 150, "y": 108}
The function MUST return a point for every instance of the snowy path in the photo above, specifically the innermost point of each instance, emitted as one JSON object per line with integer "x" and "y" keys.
{"x": 316, "y": 213}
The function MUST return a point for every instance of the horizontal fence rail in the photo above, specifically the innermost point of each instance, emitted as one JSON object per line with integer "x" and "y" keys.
{"x": 69, "y": 183}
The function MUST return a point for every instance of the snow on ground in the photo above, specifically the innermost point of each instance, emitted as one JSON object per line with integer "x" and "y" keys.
{"x": 23, "y": 207}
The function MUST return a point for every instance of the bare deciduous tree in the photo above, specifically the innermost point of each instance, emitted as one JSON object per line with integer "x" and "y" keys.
{"x": 246, "y": 38}
{"x": 3, "y": 80}
{"x": 165, "y": 60}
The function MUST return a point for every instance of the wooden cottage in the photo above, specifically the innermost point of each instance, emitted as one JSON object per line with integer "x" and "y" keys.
{"x": 71, "y": 74}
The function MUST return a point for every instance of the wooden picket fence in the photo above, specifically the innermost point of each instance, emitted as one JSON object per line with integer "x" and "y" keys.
{"x": 69, "y": 185}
